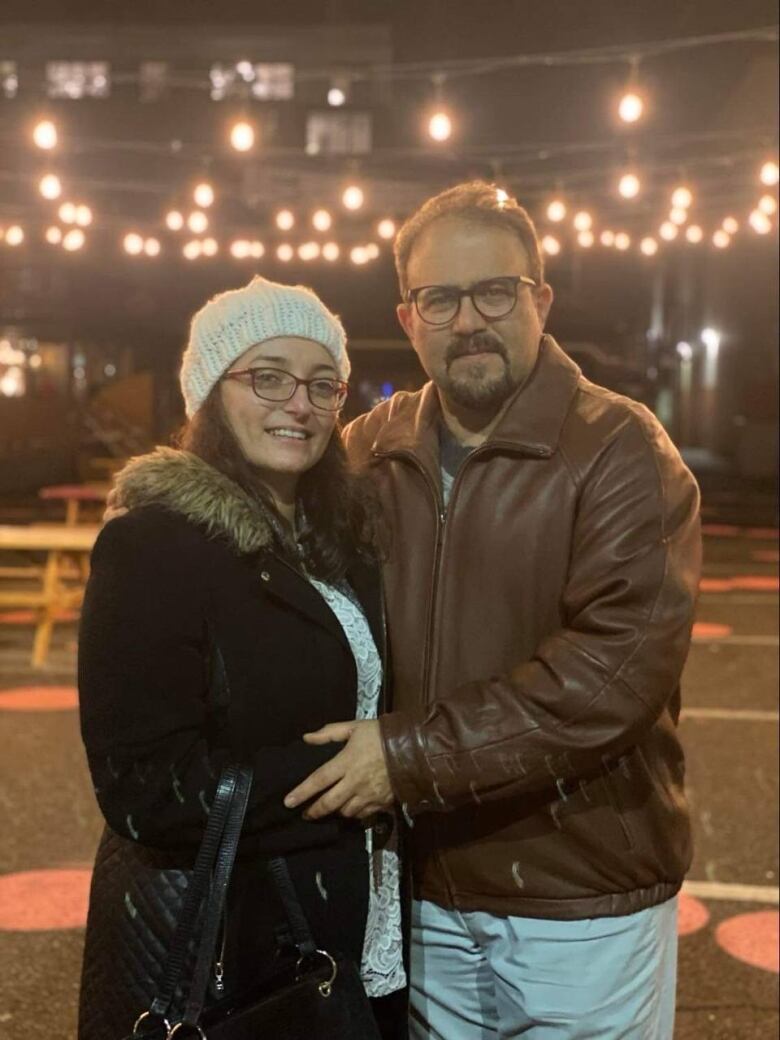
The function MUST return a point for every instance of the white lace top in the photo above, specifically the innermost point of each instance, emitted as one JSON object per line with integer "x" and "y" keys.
{"x": 382, "y": 969}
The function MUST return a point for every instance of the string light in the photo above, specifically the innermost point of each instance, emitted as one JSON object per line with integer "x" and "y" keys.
{"x": 53, "y": 235}
{"x": 242, "y": 136}
{"x": 203, "y": 195}
{"x": 240, "y": 249}
{"x": 721, "y": 238}
{"x": 45, "y": 135}
{"x": 607, "y": 238}
{"x": 152, "y": 247}
{"x": 730, "y": 225}
{"x": 768, "y": 204}
{"x": 551, "y": 245}
{"x": 191, "y": 250}
{"x": 330, "y": 251}
{"x": 694, "y": 234}
{"x": 309, "y": 251}
{"x": 622, "y": 240}
{"x": 682, "y": 197}
{"x": 386, "y": 228}
{"x": 648, "y": 246}
{"x": 133, "y": 243}
{"x": 770, "y": 174}
{"x": 631, "y": 107}
{"x": 83, "y": 216}
{"x": 197, "y": 222}
{"x": 174, "y": 220}
{"x": 583, "y": 221}
{"x": 353, "y": 197}
{"x": 668, "y": 231}
{"x": 678, "y": 216}
{"x": 322, "y": 220}
{"x": 50, "y": 186}
{"x": 256, "y": 249}
{"x": 338, "y": 92}
{"x": 209, "y": 247}
{"x": 73, "y": 240}
{"x": 67, "y": 213}
{"x": 358, "y": 255}
{"x": 586, "y": 238}
{"x": 14, "y": 235}
{"x": 372, "y": 250}
{"x": 629, "y": 185}
{"x": 285, "y": 252}
{"x": 439, "y": 128}
{"x": 285, "y": 220}
{"x": 758, "y": 220}
{"x": 556, "y": 211}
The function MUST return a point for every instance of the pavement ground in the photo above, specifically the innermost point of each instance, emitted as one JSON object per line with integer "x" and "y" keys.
{"x": 728, "y": 978}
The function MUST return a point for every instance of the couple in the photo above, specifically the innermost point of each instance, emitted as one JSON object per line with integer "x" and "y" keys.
{"x": 505, "y": 740}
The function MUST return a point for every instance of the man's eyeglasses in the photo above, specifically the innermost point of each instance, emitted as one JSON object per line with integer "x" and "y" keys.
{"x": 274, "y": 384}
{"x": 492, "y": 298}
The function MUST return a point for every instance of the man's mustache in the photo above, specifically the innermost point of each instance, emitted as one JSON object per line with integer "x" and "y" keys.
{"x": 478, "y": 343}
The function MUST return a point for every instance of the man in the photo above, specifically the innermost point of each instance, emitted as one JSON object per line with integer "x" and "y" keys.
{"x": 540, "y": 585}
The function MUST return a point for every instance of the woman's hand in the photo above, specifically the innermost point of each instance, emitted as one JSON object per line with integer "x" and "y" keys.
{"x": 356, "y": 781}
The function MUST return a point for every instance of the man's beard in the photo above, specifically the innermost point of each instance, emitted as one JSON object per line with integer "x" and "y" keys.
{"x": 472, "y": 388}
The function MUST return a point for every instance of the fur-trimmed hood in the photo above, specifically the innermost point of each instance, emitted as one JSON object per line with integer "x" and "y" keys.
{"x": 183, "y": 483}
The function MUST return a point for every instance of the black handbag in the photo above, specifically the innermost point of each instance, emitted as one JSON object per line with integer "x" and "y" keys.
{"x": 311, "y": 995}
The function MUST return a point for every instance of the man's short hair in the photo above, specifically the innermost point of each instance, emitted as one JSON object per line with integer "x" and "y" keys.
{"x": 475, "y": 202}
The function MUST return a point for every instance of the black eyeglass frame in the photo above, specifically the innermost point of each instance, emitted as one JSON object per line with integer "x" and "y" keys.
{"x": 342, "y": 386}
{"x": 514, "y": 280}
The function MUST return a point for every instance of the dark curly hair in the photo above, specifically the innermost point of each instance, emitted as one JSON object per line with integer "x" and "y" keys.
{"x": 339, "y": 505}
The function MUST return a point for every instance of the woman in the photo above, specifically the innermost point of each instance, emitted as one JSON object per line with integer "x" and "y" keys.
{"x": 249, "y": 554}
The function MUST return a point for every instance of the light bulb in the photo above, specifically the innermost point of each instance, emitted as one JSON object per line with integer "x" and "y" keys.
{"x": 721, "y": 238}
{"x": 73, "y": 240}
{"x": 67, "y": 213}
{"x": 668, "y": 231}
{"x": 191, "y": 249}
{"x": 694, "y": 233}
{"x": 759, "y": 221}
{"x": 256, "y": 249}
{"x": 440, "y": 127}
{"x": 240, "y": 249}
{"x": 152, "y": 247}
{"x": 45, "y": 134}
{"x": 551, "y": 245}
{"x": 174, "y": 220}
{"x": 330, "y": 251}
{"x": 648, "y": 246}
{"x": 197, "y": 222}
{"x": 358, "y": 255}
{"x": 50, "y": 186}
{"x": 209, "y": 247}
{"x": 629, "y": 186}
{"x": 337, "y": 97}
{"x": 285, "y": 252}
{"x": 730, "y": 225}
{"x": 14, "y": 235}
{"x": 203, "y": 195}
{"x": 583, "y": 221}
{"x": 133, "y": 243}
{"x": 682, "y": 197}
{"x": 607, "y": 238}
{"x": 586, "y": 238}
{"x": 631, "y": 107}
{"x": 622, "y": 241}
{"x": 386, "y": 228}
{"x": 285, "y": 220}
{"x": 322, "y": 220}
{"x": 770, "y": 174}
{"x": 242, "y": 136}
{"x": 768, "y": 204}
{"x": 678, "y": 215}
{"x": 53, "y": 235}
{"x": 556, "y": 211}
{"x": 309, "y": 250}
{"x": 83, "y": 216}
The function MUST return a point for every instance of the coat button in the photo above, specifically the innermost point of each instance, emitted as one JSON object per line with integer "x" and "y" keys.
{"x": 265, "y": 576}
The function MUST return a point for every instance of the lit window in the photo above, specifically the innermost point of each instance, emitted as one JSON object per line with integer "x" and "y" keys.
{"x": 338, "y": 133}
{"x": 77, "y": 79}
{"x": 153, "y": 80}
{"x": 273, "y": 81}
{"x": 9, "y": 81}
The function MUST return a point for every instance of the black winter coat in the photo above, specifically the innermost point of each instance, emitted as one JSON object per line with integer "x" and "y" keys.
{"x": 192, "y": 564}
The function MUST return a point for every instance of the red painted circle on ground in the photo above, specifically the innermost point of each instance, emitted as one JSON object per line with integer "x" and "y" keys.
{"x": 752, "y": 938}
{"x": 44, "y": 900}
{"x": 30, "y": 617}
{"x": 39, "y": 698}
{"x": 711, "y": 630}
{"x": 692, "y": 914}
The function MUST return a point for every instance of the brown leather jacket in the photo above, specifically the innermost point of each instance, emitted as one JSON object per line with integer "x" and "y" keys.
{"x": 538, "y": 631}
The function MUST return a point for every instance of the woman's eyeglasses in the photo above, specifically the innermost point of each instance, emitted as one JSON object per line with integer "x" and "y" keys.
{"x": 274, "y": 384}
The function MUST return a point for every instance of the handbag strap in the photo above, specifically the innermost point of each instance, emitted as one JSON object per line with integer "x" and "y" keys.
{"x": 196, "y": 891}
{"x": 215, "y": 905}
{"x": 296, "y": 918}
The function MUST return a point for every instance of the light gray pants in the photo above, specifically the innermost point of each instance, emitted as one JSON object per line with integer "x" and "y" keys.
{"x": 480, "y": 977}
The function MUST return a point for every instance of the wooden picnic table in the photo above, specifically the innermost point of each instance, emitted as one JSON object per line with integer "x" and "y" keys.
{"x": 57, "y": 587}
{"x": 73, "y": 495}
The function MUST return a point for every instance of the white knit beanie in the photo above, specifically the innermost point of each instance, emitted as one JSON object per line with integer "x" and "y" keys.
{"x": 234, "y": 321}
